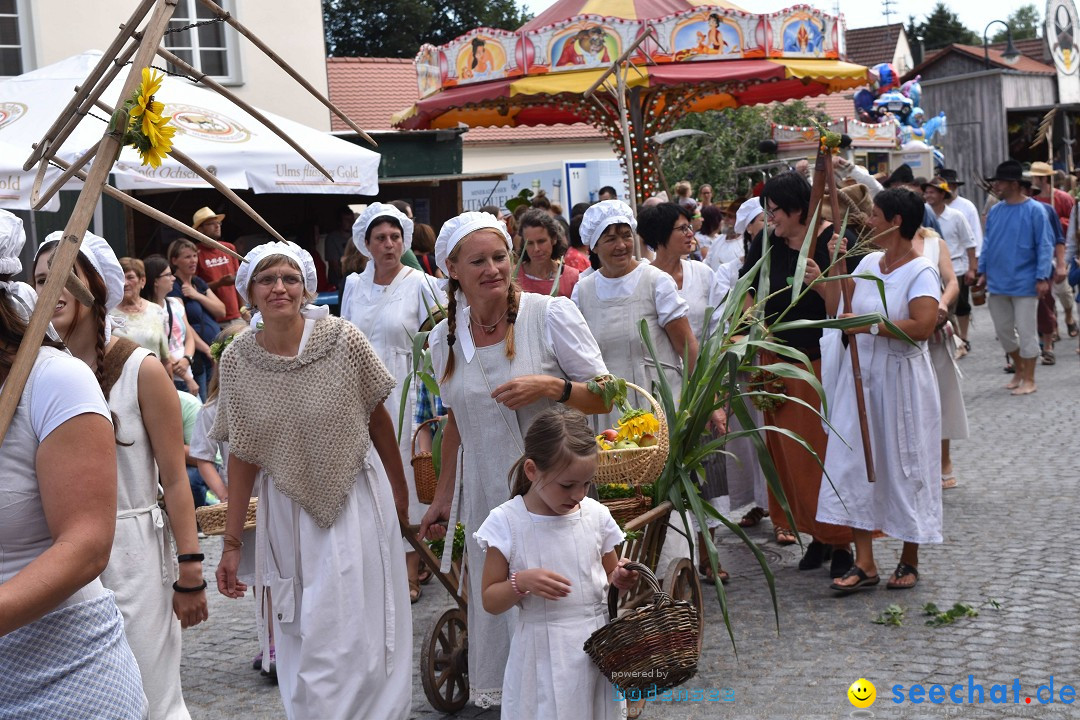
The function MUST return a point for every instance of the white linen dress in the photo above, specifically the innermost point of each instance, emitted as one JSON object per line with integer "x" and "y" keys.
{"x": 904, "y": 414}
{"x": 550, "y": 338}
{"x": 954, "y": 423}
{"x": 142, "y": 566}
{"x": 389, "y": 315}
{"x": 614, "y": 308}
{"x": 341, "y": 614}
{"x": 549, "y": 674}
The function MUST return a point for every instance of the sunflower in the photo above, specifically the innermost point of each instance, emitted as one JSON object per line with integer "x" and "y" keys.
{"x": 148, "y": 130}
{"x": 634, "y": 424}
{"x": 159, "y": 145}
{"x": 144, "y": 95}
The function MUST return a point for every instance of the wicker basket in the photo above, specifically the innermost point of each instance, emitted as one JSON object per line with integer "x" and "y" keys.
{"x": 211, "y": 518}
{"x": 424, "y": 468}
{"x": 626, "y": 509}
{"x": 636, "y": 466}
{"x": 654, "y": 647}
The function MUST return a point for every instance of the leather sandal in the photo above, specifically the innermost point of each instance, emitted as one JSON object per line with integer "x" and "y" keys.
{"x": 903, "y": 570}
{"x": 415, "y": 591}
{"x": 784, "y": 536}
{"x": 753, "y": 517}
{"x": 865, "y": 581}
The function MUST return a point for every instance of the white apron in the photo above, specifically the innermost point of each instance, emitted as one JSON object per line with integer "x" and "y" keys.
{"x": 389, "y": 315}
{"x": 954, "y": 424}
{"x": 549, "y": 674}
{"x": 614, "y": 324}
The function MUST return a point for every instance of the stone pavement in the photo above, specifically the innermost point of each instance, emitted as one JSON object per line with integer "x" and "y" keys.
{"x": 1008, "y": 536}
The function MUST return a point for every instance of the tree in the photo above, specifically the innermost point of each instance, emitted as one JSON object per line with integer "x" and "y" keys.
{"x": 732, "y": 142}
{"x": 913, "y": 35}
{"x": 943, "y": 27}
{"x": 1026, "y": 23}
{"x": 397, "y": 28}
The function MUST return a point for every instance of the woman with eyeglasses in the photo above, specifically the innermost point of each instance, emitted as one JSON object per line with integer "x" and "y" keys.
{"x": 623, "y": 292}
{"x": 301, "y": 405}
{"x": 786, "y": 199}
{"x": 389, "y": 302}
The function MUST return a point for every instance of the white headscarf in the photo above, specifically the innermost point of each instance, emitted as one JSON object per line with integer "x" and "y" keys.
{"x": 455, "y": 229}
{"x": 746, "y": 214}
{"x": 12, "y": 239}
{"x": 373, "y": 212}
{"x": 291, "y": 250}
{"x": 101, "y": 256}
{"x": 603, "y": 214}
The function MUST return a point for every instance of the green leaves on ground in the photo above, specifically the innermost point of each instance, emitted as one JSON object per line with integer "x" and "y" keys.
{"x": 892, "y": 615}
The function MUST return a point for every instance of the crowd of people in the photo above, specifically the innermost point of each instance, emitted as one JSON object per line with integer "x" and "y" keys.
{"x": 274, "y": 397}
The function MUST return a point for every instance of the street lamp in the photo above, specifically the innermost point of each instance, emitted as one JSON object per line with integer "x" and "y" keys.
{"x": 1010, "y": 55}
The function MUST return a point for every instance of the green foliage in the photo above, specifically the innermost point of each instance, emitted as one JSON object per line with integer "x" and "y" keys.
{"x": 892, "y": 615}
{"x": 732, "y": 142}
{"x": 1026, "y": 23}
{"x": 938, "y": 618}
{"x": 942, "y": 27}
{"x": 397, "y": 28}
{"x": 437, "y": 546}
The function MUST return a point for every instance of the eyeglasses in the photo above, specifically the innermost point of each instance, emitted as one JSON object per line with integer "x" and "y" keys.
{"x": 771, "y": 211}
{"x": 684, "y": 229}
{"x": 269, "y": 281}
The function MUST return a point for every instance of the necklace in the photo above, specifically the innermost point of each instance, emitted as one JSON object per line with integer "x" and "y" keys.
{"x": 489, "y": 329}
{"x": 889, "y": 267}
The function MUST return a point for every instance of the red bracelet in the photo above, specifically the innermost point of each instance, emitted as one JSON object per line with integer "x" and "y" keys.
{"x": 513, "y": 584}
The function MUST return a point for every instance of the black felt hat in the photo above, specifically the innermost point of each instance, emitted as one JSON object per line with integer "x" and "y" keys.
{"x": 1010, "y": 170}
{"x": 902, "y": 175}
{"x": 949, "y": 176}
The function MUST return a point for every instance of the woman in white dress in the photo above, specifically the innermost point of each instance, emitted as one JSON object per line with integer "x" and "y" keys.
{"x": 156, "y": 597}
{"x": 301, "y": 406}
{"x": 62, "y": 648}
{"x": 624, "y": 291}
{"x": 902, "y": 404}
{"x": 182, "y": 338}
{"x": 140, "y": 320}
{"x": 501, "y": 357}
{"x": 389, "y": 302}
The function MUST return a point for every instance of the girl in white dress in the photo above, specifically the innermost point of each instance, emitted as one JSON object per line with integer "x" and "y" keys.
{"x": 902, "y": 404}
{"x": 550, "y": 551}
{"x": 389, "y": 302}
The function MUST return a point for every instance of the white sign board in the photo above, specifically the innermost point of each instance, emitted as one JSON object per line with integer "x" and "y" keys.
{"x": 1061, "y": 32}
{"x": 568, "y": 183}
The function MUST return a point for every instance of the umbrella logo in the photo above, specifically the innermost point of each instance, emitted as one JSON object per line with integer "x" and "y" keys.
{"x": 10, "y": 112}
{"x": 206, "y": 124}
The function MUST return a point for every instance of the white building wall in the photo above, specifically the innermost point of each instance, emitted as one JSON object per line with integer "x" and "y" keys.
{"x": 292, "y": 28}
{"x": 507, "y": 158}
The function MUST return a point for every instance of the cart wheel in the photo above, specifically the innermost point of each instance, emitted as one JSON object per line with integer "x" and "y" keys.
{"x": 682, "y": 583}
{"x": 444, "y": 662}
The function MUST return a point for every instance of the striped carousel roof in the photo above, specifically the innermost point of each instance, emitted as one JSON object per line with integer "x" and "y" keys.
{"x": 622, "y": 9}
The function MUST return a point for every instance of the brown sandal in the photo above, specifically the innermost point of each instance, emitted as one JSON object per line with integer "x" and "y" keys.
{"x": 784, "y": 536}
{"x": 753, "y": 517}
{"x": 415, "y": 591}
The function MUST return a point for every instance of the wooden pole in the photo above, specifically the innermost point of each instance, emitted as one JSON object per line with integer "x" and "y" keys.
{"x": 63, "y": 260}
{"x": 38, "y": 198}
{"x": 68, "y": 118}
{"x": 221, "y": 13}
{"x": 853, "y": 346}
{"x": 255, "y": 113}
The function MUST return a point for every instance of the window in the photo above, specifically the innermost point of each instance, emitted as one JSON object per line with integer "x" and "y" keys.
{"x": 13, "y": 60}
{"x": 211, "y": 47}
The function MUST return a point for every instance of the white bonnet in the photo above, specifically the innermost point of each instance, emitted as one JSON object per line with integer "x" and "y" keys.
{"x": 371, "y": 213}
{"x": 101, "y": 256}
{"x": 454, "y": 229}
{"x": 291, "y": 250}
{"x": 12, "y": 239}
{"x": 599, "y": 216}
{"x": 746, "y": 214}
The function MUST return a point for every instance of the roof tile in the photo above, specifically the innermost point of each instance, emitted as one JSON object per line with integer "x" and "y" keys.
{"x": 872, "y": 45}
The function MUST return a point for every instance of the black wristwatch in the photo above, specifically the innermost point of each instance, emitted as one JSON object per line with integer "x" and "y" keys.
{"x": 190, "y": 359}
{"x": 567, "y": 388}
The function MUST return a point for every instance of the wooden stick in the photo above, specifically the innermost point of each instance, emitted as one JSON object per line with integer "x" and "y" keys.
{"x": 185, "y": 160}
{"x": 63, "y": 260}
{"x": 78, "y": 288}
{"x": 161, "y": 217}
{"x": 853, "y": 345}
{"x": 257, "y": 114}
{"x": 221, "y": 13}
{"x": 68, "y": 118}
{"x": 37, "y": 199}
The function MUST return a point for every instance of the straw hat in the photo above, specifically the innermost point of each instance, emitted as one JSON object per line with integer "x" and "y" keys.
{"x": 203, "y": 214}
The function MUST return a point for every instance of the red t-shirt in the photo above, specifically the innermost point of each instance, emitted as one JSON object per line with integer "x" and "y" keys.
{"x": 214, "y": 264}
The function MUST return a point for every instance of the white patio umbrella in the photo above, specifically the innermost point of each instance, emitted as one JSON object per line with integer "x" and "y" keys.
{"x": 237, "y": 148}
{"x": 15, "y": 184}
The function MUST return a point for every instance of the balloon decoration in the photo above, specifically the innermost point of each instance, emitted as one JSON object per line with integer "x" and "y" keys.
{"x": 888, "y": 99}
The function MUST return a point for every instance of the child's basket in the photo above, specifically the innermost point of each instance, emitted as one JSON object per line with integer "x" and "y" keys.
{"x": 652, "y": 647}
{"x": 626, "y": 509}
{"x": 424, "y": 467}
{"x": 211, "y": 518}
{"x": 636, "y": 466}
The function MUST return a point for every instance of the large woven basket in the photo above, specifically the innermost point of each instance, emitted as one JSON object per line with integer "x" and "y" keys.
{"x": 211, "y": 518}
{"x": 423, "y": 466}
{"x": 654, "y": 647}
{"x": 636, "y": 466}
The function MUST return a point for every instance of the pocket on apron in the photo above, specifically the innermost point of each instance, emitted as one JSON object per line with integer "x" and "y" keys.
{"x": 283, "y": 593}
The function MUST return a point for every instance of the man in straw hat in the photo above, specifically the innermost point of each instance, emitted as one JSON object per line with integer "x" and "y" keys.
{"x": 216, "y": 268}
{"x": 1015, "y": 267}
{"x": 957, "y": 235}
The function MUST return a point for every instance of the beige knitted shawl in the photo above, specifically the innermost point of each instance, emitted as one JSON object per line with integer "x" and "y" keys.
{"x": 304, "y": 419}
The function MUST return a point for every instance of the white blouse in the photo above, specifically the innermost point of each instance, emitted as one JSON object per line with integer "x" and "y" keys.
{"x": 669, "y": 304}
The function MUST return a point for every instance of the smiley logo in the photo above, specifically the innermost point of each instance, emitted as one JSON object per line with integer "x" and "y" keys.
{"x": 862, "y": 693}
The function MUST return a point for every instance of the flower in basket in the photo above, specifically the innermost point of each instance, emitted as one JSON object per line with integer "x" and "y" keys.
{"x": 148, "y": 131}
{"x": 636, "y": 424}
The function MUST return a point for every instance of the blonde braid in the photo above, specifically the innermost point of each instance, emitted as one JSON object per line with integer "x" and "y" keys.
{"x": 451, "y": 327}
{"x": 512, "y": 297}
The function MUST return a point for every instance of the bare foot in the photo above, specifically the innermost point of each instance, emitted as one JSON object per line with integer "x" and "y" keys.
{"x": 1025, "y": 388}
{"x": 1014, "y": 383}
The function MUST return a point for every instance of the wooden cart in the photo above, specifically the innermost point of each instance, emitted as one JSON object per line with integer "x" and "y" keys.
{"x": 444, "y": 666}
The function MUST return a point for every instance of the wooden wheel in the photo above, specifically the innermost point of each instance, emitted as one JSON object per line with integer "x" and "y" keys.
{"x": 444, "y": 662}
{"x": 682, "y": 583}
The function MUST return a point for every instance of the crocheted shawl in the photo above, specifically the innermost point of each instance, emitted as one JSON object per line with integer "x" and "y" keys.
{"x": 303, "y": 420}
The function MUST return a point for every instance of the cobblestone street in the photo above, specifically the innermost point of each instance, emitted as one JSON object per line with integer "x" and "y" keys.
{"x": 1008, "y": 537}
